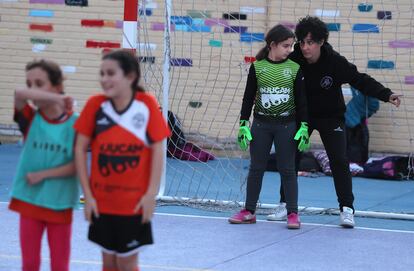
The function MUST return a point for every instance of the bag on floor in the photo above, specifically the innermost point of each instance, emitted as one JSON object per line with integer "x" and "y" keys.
{"x": 177, "y": 139}
{"x": 191, "y": 152}
{"x": 307, "y": 162}
{"x": 389, "y": 168}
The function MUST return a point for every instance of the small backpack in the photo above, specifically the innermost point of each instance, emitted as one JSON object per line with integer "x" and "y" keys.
{"x": 177, "y": 139}
{"x": 390, "y": 168}
{"x": 307, "y": 162}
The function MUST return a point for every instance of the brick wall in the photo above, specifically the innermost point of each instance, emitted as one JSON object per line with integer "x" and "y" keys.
{"x": 207, "y": 94}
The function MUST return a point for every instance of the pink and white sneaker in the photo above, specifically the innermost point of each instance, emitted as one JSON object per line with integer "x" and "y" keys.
{"x": 293, "y": 221}
{"x": 243, "y": 217}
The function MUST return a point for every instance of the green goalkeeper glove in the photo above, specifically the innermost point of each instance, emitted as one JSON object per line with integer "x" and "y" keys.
{"x": 303, "y": 136}
{"x": 244, "y": 135}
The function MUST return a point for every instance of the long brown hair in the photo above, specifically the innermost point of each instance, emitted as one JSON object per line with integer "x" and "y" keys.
{"x": 276, "y": 34}
{"x": 128, "y": 63}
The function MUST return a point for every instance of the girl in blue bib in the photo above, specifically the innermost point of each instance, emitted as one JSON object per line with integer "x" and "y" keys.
{"x": 45, "y": 187}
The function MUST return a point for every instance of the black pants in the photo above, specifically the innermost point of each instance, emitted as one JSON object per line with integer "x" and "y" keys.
{"x": 265, "y": 133}
{"x": 333, "y": 136}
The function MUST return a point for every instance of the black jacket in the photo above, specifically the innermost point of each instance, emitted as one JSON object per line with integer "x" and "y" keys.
{"x": 323, "y": 81}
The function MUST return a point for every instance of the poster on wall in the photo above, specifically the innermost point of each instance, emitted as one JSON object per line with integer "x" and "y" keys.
{"x": 81, "y": 3}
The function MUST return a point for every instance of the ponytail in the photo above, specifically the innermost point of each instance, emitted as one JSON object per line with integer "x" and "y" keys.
{"x": 262, "y": 54}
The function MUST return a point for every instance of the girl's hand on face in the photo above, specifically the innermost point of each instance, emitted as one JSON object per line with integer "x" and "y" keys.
{"x": 35, "y": 177}
{"x": 147, "y": 203}
{"x": 67, "y": 103}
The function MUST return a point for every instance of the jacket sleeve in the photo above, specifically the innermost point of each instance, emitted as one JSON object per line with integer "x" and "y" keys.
{"x": 249, "y": 94}
{"x": 300, "y": 98}
{"x": 349, "y": 73}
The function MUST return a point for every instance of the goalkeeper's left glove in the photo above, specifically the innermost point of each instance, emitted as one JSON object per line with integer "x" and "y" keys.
{"x": 303, "y": 136}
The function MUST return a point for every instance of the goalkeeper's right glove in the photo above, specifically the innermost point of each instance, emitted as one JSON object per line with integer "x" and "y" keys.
{"x": 303, "y": 136}
{"x": 244, "y": 135}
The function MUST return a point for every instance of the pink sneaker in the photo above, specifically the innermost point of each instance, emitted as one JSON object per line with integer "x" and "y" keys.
{"x": 243, "y": 217}
{"x": 293, "y": 221}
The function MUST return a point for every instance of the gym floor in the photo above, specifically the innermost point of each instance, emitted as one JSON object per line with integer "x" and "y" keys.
{"x": 188, "y": 238}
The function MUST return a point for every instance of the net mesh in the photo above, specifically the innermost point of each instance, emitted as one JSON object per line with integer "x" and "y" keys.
{"x": 211, "y": 45}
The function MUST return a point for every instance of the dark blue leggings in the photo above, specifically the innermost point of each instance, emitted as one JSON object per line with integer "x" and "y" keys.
{"x": 265, "y": 133}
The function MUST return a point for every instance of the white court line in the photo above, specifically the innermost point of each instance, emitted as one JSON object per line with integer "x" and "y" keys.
{"x": 283, "y": 222}
{"x": 160, "y": 267}
{"x": 310, "y": 224}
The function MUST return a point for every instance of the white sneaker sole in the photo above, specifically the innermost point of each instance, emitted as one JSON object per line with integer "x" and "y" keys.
{"x": 274, "y": 218}
{"x": 347, "y": 225}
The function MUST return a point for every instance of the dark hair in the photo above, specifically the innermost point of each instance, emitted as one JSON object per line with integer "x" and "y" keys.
{"x": 54, "y": 73}
{"x": 276, "y": 34}
{"x": 313, "y": 25}
{"x": 128, "y": 63}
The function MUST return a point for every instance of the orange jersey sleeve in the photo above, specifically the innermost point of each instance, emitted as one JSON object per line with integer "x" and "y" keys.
{"x": 85, "y": 124}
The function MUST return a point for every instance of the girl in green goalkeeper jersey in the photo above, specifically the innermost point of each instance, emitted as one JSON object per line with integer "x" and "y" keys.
{"x": 275, "y": 89}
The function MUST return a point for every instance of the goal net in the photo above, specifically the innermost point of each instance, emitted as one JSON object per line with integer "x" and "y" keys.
{"x": 210, "y": 47}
